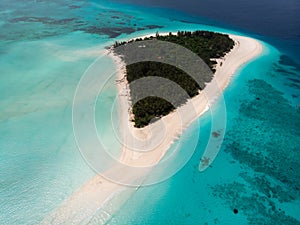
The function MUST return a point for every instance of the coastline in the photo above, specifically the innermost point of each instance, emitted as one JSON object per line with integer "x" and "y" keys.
{"x": 245, "y": 50}
{"x": 97, "y": 193}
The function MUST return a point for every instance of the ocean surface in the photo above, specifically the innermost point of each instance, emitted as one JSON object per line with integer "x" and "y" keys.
{"x": 47, "y": 46}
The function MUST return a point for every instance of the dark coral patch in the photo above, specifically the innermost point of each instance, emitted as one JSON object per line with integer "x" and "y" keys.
{"x": 216, "y": 134}
{"x": 153, "y": 26}
{"x": 112, "y": 32}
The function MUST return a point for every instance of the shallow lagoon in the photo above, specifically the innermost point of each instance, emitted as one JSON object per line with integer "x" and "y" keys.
{"x": 45, "y": 48}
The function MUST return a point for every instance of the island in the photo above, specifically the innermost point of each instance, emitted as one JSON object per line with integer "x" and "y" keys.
{"x": 209, "y": 46}
{"x": 106, "y": 192}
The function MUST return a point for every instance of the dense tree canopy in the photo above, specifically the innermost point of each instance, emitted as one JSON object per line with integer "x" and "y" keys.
{"x": 207, "y": 45}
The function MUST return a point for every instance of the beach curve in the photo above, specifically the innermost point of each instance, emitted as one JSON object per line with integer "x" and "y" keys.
{"x": 96, "y": 195}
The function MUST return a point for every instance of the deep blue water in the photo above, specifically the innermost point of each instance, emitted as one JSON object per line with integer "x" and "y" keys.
{"x": 45, "y": 47}
{"x": 277, "y": 21}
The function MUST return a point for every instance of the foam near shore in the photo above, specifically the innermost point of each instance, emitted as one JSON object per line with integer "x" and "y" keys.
{"x": 96, "y": 195}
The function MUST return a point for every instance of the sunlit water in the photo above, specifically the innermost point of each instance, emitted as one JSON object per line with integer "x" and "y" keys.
{"x": 46, "y": 47}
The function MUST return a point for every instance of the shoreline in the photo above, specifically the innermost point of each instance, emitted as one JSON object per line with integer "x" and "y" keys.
{"x": 96, "y": 194}
{"x": 245, "y": 49}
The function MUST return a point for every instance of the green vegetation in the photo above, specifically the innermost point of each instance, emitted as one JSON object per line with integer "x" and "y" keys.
{"x": 207, "y": 45}
{"x": 153, "y": 107}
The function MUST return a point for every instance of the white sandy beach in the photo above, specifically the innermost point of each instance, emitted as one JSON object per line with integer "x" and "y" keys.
{"x": 96, "y": 195}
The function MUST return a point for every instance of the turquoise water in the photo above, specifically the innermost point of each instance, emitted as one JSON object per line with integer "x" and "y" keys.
{"x": 255, "y": 171}
{"x": 45, "y": 48}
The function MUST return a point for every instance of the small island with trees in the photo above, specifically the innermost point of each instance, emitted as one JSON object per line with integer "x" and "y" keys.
{"x": 209, "y": 46}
